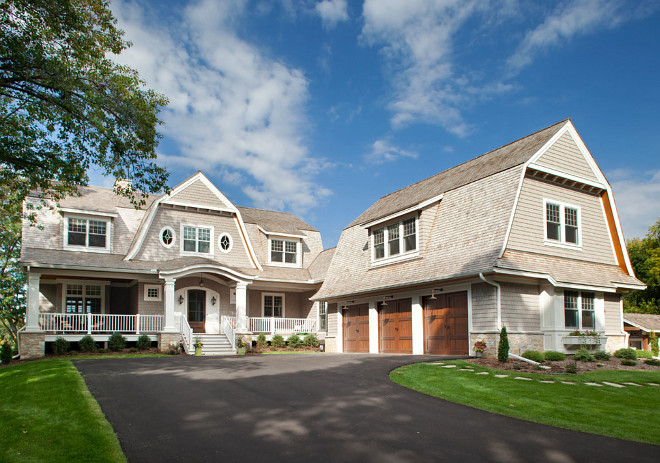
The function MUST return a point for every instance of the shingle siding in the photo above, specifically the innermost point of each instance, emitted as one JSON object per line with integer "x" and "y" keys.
{"x": 332, "y": 319}
{"x": 484, "y": 307}
{"x": 613, "y": 321}
{"x": 565, "y": 156}
{"x": 520, "y": 307}
{"x": 200, "y": 195}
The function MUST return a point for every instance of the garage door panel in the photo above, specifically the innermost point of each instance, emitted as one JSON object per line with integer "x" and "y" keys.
{"x": 356, "y": 328}
{"x": 446, "y": 324}
{"x": 395, "y": 326}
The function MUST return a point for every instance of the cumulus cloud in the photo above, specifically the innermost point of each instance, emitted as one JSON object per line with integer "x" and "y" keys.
{"x": 332, "y": 12}
{"x": 636, "y": 195}
{"x": 232, "y": 109}
{"x": 383, "y": 151}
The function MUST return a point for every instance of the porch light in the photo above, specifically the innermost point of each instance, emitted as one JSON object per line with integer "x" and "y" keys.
{"x": 213, "y": 299}
{"x": 383, "y": 303}
{"x": 180, "y": 299}
{"x": 433, "y": 294}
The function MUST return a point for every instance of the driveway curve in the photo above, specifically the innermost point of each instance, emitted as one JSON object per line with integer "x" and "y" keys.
{"x": 318, "y": 408}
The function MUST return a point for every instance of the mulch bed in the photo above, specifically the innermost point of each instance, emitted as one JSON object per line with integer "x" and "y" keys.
{"x": 560, "y": 367}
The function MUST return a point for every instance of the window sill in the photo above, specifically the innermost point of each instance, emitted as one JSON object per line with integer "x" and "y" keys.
{"x": 195, "y": 254}
{"x": 283, "y": 264}
{"x": 395, "y": 260}
{"x": 558, "y": 244}
{"x": 86, "y": 249}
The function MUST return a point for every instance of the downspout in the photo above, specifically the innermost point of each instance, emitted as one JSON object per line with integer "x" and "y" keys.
{"x": 18, "y": 342}
{"x": 499, "y": 299}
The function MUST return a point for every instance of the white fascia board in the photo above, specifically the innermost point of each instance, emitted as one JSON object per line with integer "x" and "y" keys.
{"x": 246, "y": 241}
{"x": 630, "y": 286}
{"x": 146, "y": 225}
{"x": 286, "y": 235}
{"x": 200, "y": 176}
{"x": 197, "y": 268}
{"x": 198, "y": 206}
{"x": 85, "y": 268}
{"x": 636, "y": 325}
{"x": 573, "y": 178}
{"x": 552, "y": 281}
{"x": 414, "y": 208}
{"x": 513, "y": 213}
{"x": 69, "y": 210}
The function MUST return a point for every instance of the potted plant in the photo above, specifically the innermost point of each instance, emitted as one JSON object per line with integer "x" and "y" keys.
{"x": 198, "y": 346}
{"x": 240, "y": 345}
{"x": 479, "y": 348}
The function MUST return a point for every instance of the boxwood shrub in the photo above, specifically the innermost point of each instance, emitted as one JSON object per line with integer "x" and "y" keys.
{"x": 294, "y": 341}
{"x": 143, "y": 342}
{"x": 554, "y": 356}
{"x": 116, "y": 341}
{"x": 5, "y": 353}
{"x": 261, "y": 341}
{"x": 87, "y": 344}
{"x": 311, "y": 340}
{"x": 626, "y": 353}
{"x": 628, "y": 362}
{"x": 277, "y": 341}
{"x": 583, "y": 355}
{"x": 60, "y": 346}
{"x": 652, "y": 362}
{"x": 534, "y": 355}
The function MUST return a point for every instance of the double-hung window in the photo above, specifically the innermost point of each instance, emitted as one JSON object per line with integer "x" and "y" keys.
{"x": 323, "y": 316}
{"x": 87, "y": 233}
{"x": 197, "y": 239}
{"x": 562, "y": 223}
{"x": 284, "y": 251}
{"x": 579, "y": 310}
{"x": 83, "y": 298}
{"x": 273, "y": 305}
{"x": 395, "y": 239}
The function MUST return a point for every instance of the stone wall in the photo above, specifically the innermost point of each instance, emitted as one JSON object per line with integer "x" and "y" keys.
{"x": 165, "y": 340}
{"x": 33, "y": 345}
{"x": 518, "y": 343}
{"x": 615, "y": 343}
{"x": 330, "y": 344}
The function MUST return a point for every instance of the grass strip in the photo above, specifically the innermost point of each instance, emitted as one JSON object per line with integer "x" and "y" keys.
{"x": 626, "y": 413}
{"x": 48, "y": 414}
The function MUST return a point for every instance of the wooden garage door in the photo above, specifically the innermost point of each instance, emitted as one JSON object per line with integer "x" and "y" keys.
{"x": 446, "y": 324}
{"x": 395, "y": 327}
{"x": 356, "y": 328}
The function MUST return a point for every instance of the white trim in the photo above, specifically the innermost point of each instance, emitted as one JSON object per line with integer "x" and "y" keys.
{"x": 513, "y": 214}
{"x": 147, "y": 287}
{"x": 86, "y": 213}
{"x": 205, "y": 268}
{"x": 160, "y": 236}
{"x": 552, "y": 281}
{"x": 398, "y": 214}
{"x": 565, "y": 175}
{"x": 579, "y": 327}
{"x": 286, "y": 235}
{"x": 637, "y": 326}
{"x": 86, "y": 248}
{"x": 197, "y": 206}
{"x": 186, "y": 183}
{"x": 297, "y": 264}
{"x": 196, "y": 252}
{"x": 402, "y": 255}
{"x": 231, "y": 243}
{"x": 562, "y": 225}
{"x": 263, "y": 300}
{"x": 84, "y": 284}
{"x": 246, "y": 240}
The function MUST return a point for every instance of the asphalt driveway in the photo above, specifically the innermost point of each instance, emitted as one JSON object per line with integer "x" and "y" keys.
{"x": 316, "y": 408}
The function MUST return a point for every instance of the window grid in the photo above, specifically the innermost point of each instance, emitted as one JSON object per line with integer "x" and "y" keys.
{"x": 86, "y": 233}
{"x": 76, "y": 303}
{"x": 562, "y": 223}
{"x": 197, "y": 239}
{"x": 283, "y": 251}
{"x": 400, "y": 237}
{"x": 167, "y": 237}
{"x": 579, "y": 310}
{"x": 152, "y": 293}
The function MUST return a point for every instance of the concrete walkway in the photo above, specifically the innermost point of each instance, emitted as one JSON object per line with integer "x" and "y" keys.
{"x": 317, "y": 408}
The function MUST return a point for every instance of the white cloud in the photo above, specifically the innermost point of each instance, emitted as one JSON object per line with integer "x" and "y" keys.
{"x": 636, "y": 195}
{"x": 332, "y": 12}
{"x": 383, "y": 151}
{"x": 231, "y": 108}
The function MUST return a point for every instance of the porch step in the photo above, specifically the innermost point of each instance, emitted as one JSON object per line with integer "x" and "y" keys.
{"x": 214, "y": 344}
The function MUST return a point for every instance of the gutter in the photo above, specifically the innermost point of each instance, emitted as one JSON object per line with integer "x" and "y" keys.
{"x": 499, "y": 298}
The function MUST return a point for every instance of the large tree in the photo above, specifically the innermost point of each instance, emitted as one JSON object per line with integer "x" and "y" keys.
{"x": 645, "y": 258}
{"x": 12, "y": 279}
{"x": 66, "y": 105}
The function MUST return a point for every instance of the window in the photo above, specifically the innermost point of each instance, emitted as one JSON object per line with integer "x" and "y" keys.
{"x": 273, "y": 305}
{"x": 283, "y": 251}
{"x": 197, "y": 239}
{"x": 323, "y": 316}
{"x": 224, "y": 242}
{"x": 87, "y": 233}
{"x": 562, "y": 223}
{"x": 167, "y": 237}
{"x": 579, "y": 310}
{"x": 400, "y": 237}
{"x": 152, "y": 293}
{"x": 82, "y": 298}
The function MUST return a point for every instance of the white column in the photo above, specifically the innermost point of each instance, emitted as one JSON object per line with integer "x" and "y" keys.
{"x": 170, "y": 324}
{"x": 241, "y": 308}
{"x": 32, "y": 313}
{"x": 373, "y": 327}
{"x": 417, "y": 326}
{"x": 340, "y": 329}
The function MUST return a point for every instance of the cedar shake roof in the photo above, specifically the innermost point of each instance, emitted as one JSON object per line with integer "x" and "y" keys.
{"x": 319, "y": 268}
{"x": 506, "y": 157}
{"x": 648, "y": 322}
{"x": 99, "y": 199}
{"x": 274, "y": 221}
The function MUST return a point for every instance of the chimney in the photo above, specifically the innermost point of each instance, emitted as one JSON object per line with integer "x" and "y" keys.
{"x": 122, "y": 184}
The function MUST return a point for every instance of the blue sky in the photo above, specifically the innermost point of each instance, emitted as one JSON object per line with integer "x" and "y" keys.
{"x": 321, "y": 107}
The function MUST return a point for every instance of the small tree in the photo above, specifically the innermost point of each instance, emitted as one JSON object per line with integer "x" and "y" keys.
{"x": 5, "y": 353}
{"x": 654, "y": 344}
{"x": 503, "y": 346}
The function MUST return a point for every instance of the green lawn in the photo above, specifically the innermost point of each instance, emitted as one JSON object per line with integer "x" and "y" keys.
{"x": 48, "y": 414}
{"x": 628, "y": 413}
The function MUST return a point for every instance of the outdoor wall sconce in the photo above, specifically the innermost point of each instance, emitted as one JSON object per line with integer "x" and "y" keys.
{"x": 213, "y": 300}
{"x": 180, "y": 299}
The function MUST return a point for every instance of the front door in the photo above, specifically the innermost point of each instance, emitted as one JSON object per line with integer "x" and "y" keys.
{"x": 197, "y": 310}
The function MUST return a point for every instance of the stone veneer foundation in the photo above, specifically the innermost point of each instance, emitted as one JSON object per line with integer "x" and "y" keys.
{"x": 518, "y": 343}
{"x": 33, "y": 345}
{"x": 165, "y": 340}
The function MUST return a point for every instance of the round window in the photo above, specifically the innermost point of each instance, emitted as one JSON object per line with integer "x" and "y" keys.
{"x": 224, "y": 242}
{"x": 167, "y": 237}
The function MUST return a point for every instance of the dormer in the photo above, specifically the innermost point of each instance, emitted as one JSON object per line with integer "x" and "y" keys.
{"x": 88, "y": 231}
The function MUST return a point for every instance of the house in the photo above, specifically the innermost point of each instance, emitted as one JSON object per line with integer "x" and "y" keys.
{"x": 639, "y": 327}
{"x": 526, "y": 236}
{"x": 189, "y": 264}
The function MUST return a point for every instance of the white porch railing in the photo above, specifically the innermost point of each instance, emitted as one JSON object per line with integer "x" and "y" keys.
{"x": 100, "y": 323}
{"x": 276, "y": 325}
{"x": 187, "y": 332}
{"x": 229, "y": 328}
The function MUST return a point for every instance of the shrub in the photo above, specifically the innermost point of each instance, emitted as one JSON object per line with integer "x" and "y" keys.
{"x": 626, "y": 353}
{"x": 294, "y": 341}
{"x": 60, "y": 346}
{"x": 655, "y": 347}
{"x": 133, "y": 350}
{"x": 628, "y": 362}
{"x": 73, "y": 353}
{"x": 571, "y": 367}
{"x": 534, "y": 355}
{"x": 601, "y": 355}
{"x": 100, "y": 351}
{"x": 503, "y": 346}
{"x": 87, "y": 344}
{"x": 554, "y": 356}
{"x": 116, "y": 341}
{"x": 653, "y": 362}
{"x": 583, "y": 355}
{"x": 311, "y": 340}
{"x": 261, "y": 341}
{"x": 278, "y": 341}
{"x": 143, "y": 342}
{"x": 644, "y": 354}
{"x": 5, "y": 353}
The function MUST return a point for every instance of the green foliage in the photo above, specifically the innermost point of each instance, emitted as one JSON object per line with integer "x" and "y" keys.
{"x": 571, "y": 367}
{"x": 261, "y": 341}
{"x": 12, "y": 277}
{"x": 644, "y": 354}
{"x": 503, "y": 346}
{"x": 628, "y": 362}
{"x": 310, "y": 340}
{"x": 116, "y": 341}
{"x": 534, "y": 355}
{"x": 554, "y": 356}
{"x": 133, "y": 350}
{"x": 652, "y": 362}
{"x": 645, "y": 259}
{"x": 602, "y": 355}
{"x": 60, "y": 346}
{"x": 73, "y": 353}
{"x": 626, "y": 353}
{"x": 143, "y": 342}
{"x": 5, "y": 353}
{"x": 653, "y": 340}
{"x": 277, "y": 341}
{"x": 294, "y": 341}
{"x": 100, "y": 351}
{"x": 583, "y": 355}
{"x": 87, "y": 344}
